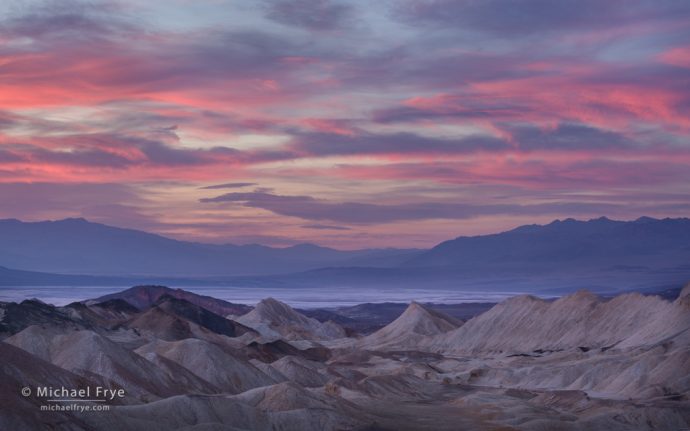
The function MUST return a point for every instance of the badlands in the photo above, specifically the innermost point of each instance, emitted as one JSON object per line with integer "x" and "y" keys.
{"x": 188, "y": 362}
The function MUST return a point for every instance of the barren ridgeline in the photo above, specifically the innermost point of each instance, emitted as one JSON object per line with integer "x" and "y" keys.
{"x": 580, "y": 362}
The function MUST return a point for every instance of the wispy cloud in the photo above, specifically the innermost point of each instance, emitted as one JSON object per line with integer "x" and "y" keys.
{"x": 309, "y": 208}
{"x": 324, "y": 227}
{"x": 227, "y": 186}
{"x": 356, "y": 115}
{"x": 319, "y": 15}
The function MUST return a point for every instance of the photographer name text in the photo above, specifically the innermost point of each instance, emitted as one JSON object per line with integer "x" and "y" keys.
{"x": 98, "y": 393}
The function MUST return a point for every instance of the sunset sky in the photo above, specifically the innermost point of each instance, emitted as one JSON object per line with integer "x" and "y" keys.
{"x": 344, "y": 123}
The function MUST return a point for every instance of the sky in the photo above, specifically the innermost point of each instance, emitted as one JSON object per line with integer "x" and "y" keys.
{"x": 348, "y": 124}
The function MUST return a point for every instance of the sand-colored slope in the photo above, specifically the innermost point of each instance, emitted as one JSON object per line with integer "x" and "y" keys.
{"x": 282, "y": 407}
{"x": 525, "y": 324}
{"x": 227, "y": 372}
{"x": 578, "y": 363}
{"x": 413, "y": 325}
{"x": 88, "y": 353}
{"x": 19, "y": 369}
{"x": 274, "y": 318}
{"x": 302, "y": 371}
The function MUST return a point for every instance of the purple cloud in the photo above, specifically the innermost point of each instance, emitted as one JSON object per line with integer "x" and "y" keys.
{"x": 38, "y": 200}
{"x": 316, "y": 15}
{"x": 105, "y": 150}
{"x": 91, "y": 91}
{"x": 457, "y": 108}
{"x": 326, "y": 144}
{"x": 67, "y": 20}
{"x": 309, "y": 208}
{"x": 529, "y": 17}
{"x": 567, "y": 136}
{"x": 227, "y": 186}
{"x": 324, "y": 227}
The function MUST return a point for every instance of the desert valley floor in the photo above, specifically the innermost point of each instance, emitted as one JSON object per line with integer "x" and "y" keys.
{"x": 189, "y": 362}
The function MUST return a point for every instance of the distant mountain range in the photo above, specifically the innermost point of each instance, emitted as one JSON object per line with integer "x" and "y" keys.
{"x": 77, "y": 246}
{"x": 599, "y": 254}
{"x": 597, "y": 244}
{"x": 602, "y": 255}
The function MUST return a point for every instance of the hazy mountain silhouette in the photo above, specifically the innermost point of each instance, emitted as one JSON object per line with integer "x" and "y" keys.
{"x": 14, "y": 277}
{"x": 567, "y": 245}
{"x": 602, "y": 255}
{"x": 77, "y": 246}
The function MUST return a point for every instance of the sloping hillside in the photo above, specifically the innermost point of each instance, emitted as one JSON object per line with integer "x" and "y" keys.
{"x": 416, "y": 323}
{"x": 524, "y": 324}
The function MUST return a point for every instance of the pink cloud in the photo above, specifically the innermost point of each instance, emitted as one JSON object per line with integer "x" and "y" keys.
{"x": 679, "y": 56}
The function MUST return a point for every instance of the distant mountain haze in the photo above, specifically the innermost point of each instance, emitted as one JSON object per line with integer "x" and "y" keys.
{"x": 569, "y": 244}
{"x": 602, "y": 255}
{"x": 77, "y": 246}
